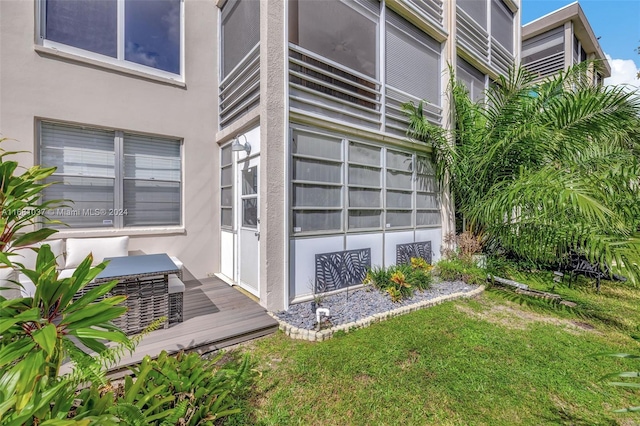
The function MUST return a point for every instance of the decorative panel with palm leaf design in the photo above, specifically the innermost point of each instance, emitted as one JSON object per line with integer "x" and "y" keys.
{"x": 341, "y": 269}
{"x": 404, "y": 252}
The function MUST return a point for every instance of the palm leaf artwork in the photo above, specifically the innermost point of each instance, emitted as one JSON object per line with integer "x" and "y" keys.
{"x": 544, "y": 168}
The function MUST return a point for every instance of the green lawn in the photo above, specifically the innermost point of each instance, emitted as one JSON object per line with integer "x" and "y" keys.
{"x": 495, "y": 360}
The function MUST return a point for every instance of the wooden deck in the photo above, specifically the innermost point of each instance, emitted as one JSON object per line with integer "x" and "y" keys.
{"x": 216, "y": 315}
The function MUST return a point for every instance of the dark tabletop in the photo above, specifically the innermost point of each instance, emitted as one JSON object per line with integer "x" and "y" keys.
{"x": 137, "y": 267}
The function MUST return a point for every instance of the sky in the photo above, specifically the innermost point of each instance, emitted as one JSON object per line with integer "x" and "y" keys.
{"x": 617, "y": 22}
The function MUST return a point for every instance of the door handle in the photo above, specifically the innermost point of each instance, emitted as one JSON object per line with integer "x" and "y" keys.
{"x": 257, "y": 234}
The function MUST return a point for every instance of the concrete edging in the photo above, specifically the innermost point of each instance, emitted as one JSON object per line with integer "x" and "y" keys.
{"x": 319, "y": 336}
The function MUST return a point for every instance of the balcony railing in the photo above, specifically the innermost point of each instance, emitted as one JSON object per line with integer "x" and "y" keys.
{"x": 396, "y": 121}
{"x": 501, "y": 58}
{"x": 472, "y": 36}
{"x": 240, "y": 90}
{"x": 318, "y": 85}
{"x": 431, "y": 8}
{"x": 546, "y": 66}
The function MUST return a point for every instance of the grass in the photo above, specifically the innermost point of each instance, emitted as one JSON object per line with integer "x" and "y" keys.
{"x": 494, "y": 360}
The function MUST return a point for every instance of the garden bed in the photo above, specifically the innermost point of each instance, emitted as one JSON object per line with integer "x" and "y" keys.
{"x": 362, "y": 307}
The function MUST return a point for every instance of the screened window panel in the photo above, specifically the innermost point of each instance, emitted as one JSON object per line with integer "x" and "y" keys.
{"x": 226, "y": 197}
{"x": 361, "y": 175}
{"x": 150, "y": 203}
{"x": 477, "y": 9}
{"x": 90, "y": 201}
{"x": 473, "y": 81}
{"x": 362, "y": 219}
{"x": 250, "y": 212}
{"x": 398, "y": 218}
{"x": 427, "y": 218}
{"x": 399, "y": 160}
{"x": 88, "y": 25}
{"x": 344, "y": 33}
{"x": 151, "y": 158}
{"x": 226, "y": 217}
{"x": 364, "y": 154}
{"x": 316, "y": 196}
{"x": 502, "y": 24}
{"x": 361, "y": 197}
{"x": 240, "y": 32}
{"x": 399, "y": 180}
{"x": 316, "y": 171}
{"x": 425, "y": 183}
{"x": 76, "y": 151}
{"x": 226, "y": 156}
{"x": 427, "y": 201}
{"x": 543, "y": 45}
{"x": 424, "y": 166}
{"x": 412, "y": 60}
{"x": 317, "y": 220}
{"x": 226, "y": 176}
{"x": 317, "y": 146}
{"x": 250, "y": 181}
{"x": 399, "y": 199}
{"x": 152, "y": 33}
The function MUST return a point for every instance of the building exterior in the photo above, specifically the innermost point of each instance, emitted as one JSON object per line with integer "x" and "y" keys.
{"x": 561, "y": 39}
{"x": 261, "y": 141}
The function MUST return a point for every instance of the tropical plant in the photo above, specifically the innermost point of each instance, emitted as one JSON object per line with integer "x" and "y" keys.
{"x": 400, "y": 281}
{"x": 460, "y": 269}
{"x": 544, "y": 169}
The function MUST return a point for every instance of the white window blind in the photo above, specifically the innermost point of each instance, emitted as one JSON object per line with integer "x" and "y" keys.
{"x": 413, "y": 60}
{"x": 146, "y": 191}
{"x": 151, "y": 181}
{"x": 240, "y": 31}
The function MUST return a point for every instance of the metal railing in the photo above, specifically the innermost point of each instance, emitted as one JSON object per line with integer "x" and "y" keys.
{"x": 239, "y": 92}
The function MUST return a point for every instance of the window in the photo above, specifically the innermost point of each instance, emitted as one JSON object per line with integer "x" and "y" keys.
{"x": 384, "y": 188}
{"x": 412, "y": 60}
{"x": 476, "y": 9}
{"x": 240, "y": 32}
{"x": 472, "y": 79}
{"x": 344, "y": 32}
{"x": 502, "y": 24}
{"x": 226, "y": 187}
{"x": 144, "y": 35}
{"x": 113, "y": 179}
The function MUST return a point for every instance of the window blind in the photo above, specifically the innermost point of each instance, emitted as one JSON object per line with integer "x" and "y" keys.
{"x": 476, "y": 9}
{"x": 502, "y": 24}
{"x": 473, "y": 79}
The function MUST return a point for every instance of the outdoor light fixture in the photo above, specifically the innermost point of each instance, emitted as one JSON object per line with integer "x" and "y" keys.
{"x": 237, "y": 146}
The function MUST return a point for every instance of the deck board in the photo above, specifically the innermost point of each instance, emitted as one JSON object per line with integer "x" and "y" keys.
{"x": 216, "y": 315}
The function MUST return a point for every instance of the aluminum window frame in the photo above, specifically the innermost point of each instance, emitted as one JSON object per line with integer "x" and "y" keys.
{"x": 120, "y": 61}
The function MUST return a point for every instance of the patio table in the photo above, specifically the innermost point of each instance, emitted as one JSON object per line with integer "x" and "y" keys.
{"x": 144, "y": 281}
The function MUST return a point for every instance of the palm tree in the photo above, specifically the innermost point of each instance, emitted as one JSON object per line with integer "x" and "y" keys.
{"x": 545, "y": 168}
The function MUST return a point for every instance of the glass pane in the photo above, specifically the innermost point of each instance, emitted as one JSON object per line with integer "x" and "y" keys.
{"x": 360, "y": 175}
{"x": 226, "y": 176}
{"x": 250, "y": 181}
{"x": 398, "y": 180}
{"x": 364, "y": 219}
{"x": 151, "y": 158}
{"x": 152, "y": 33}
{"x": 76, "y": 151}
{"x": 364, "y": 154}
{"x": 226, "y": 216}
{"x": 427, "y": 218}
{"x": 240, "y": 31}
{"x": 317, "y": 146}
{"x": 424, "y": 166}
{"x": 250, "y": 212}
{"x": 399, "y": 160}
{"x": 316, "y": 171}
{"x": 90, "y": 201}
{"x": 321, "y": 220}
{"x": 398, "y": 218}
{"x": 226, "y": 197}
{"x": 316, "y": 196}
{"x": 88, "y": 25}
{"x": 427, "y": 201}
{"x": 426, "y": 183}
{"x": 364, "y": 197}
{"x": 226, "y": 157}
{"x": 149, "y": 203}
{"x": 398, "y": 199}
{"x": 336, "y": 31}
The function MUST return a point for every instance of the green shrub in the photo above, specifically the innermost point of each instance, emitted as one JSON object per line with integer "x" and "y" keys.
{"x": 400, "y": 281}
{"x": 456, "y": 269}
